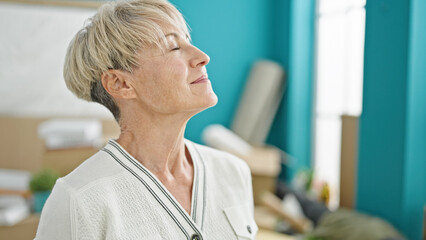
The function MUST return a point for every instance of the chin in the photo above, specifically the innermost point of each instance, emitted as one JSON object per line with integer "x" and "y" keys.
{"x": 207, "y": 102}
{"x": 212, "y": 100}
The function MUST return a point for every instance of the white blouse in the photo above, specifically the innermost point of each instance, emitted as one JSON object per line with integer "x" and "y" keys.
{"x": 112, "y": 196}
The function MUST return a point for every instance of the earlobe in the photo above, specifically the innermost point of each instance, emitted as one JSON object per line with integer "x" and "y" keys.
{"x": 116, "y": 84}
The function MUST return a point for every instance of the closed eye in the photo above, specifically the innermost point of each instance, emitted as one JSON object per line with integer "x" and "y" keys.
{"x": 176, "y": 48}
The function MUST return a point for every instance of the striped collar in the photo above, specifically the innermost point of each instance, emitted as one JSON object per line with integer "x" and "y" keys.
{"x": 189, "y": 224}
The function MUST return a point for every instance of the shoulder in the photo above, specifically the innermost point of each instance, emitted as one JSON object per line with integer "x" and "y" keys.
{"x": 99, "y": 167}
{"x": 60, "y": 217}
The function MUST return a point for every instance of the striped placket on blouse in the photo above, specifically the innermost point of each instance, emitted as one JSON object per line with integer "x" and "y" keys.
{"x": 189, "y": 225}
{"x": 199, "y": 186}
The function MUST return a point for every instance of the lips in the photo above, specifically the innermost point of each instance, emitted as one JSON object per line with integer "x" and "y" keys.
{"x": 201, "y": 79}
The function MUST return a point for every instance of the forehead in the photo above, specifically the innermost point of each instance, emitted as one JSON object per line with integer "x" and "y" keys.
{"x": 168, "y": 37}
{"x": 163, "y": 32}
{"x": 174, "y": 31}
{"x": 170, "y": 34}
{"x": 175, "y": 36}
{"x": 161, "y": 21}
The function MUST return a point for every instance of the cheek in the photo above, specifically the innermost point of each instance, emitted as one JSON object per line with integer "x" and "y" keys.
{"x": 167, "y": 86}
{"x": 177, "y": 72}
{"x": 175, "y": 80}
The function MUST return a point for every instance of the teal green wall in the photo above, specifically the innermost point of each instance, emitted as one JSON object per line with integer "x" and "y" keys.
{"x": 293, "y": 41}
{"x": 382, "y": 124}
{"x": 415, "y": 155}
{"x": 298, "y": 98}
{"x": 391, "y": 166}
{"x": 293, "y": 47}
{"x": 281, "y": 45}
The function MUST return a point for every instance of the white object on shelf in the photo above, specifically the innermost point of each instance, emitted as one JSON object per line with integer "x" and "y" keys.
{"x": 66, "y": 133}
{"x": 14, "y": 179}
{"x": 219, "y": 137}
{"x": 13, "y": 209}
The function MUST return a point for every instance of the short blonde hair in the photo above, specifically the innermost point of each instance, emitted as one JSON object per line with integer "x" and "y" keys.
{"x": 112, "y": 39}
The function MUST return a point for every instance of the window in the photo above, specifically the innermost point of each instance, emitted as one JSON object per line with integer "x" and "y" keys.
{"x": 338, "y": 87}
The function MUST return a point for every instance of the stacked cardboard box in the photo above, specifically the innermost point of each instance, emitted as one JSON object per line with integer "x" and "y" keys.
{"x": 64, "y": 161}
{"x": 265, "y": 165}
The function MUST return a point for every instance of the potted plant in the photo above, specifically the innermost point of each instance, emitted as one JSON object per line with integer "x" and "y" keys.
{"x": 41, "y": 185}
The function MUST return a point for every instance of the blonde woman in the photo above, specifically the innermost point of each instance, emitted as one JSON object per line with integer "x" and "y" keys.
{"x": 136, "y": 58}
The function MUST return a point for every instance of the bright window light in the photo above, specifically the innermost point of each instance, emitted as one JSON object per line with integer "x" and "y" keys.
{"x": 338, "y": 87}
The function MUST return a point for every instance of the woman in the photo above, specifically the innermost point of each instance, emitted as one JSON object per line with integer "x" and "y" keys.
{"x": 135, "y": 57}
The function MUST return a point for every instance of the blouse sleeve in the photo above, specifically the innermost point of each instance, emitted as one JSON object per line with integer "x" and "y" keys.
{"x": 55, "y": 220}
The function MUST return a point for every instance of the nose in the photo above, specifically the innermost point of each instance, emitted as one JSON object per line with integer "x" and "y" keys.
{"x": 199, "y": 58}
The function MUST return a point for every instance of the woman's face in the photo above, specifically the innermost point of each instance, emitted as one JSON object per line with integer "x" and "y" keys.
{"x": 173, "y": 80}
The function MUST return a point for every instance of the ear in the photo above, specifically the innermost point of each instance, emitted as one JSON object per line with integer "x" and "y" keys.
{"x": 117, "y": 84}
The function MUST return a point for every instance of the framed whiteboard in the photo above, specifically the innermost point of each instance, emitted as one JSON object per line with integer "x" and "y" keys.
{"x": 33, "y": 44}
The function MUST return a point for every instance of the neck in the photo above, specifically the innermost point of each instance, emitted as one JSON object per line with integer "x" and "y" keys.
{"x": 156, "y": 141}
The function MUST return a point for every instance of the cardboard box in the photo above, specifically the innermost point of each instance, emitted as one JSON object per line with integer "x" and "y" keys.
{"x": 24, "y": 230}
{"x": 65, "y": 160}
{"x": 265, "y": 165}
{"x": 348, "y": 161}
{"x": 21, "y": 149}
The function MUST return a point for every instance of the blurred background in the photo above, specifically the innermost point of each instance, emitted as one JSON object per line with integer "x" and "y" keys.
{"x": 352, "y": 116}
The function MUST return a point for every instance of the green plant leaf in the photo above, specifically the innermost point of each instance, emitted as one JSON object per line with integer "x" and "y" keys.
{"x": 43, "y": 180}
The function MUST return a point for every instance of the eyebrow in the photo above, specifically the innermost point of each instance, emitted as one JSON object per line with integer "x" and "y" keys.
{"x": 175, "y": 35}
{"x": 172, "y": 34}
